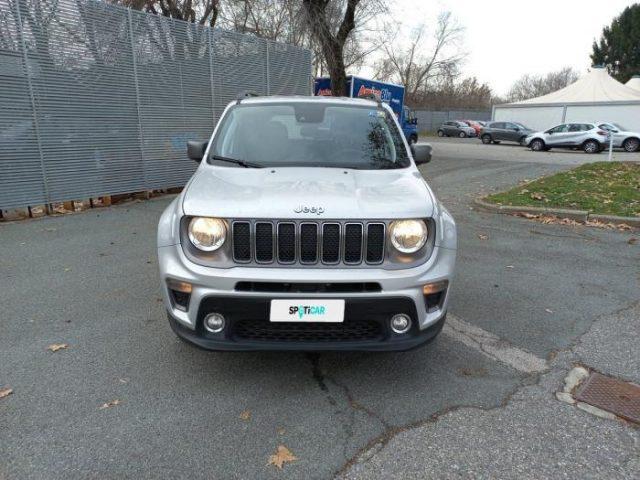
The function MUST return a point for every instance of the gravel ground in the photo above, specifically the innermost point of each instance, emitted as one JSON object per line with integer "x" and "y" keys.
{"x": 447, "y": 410}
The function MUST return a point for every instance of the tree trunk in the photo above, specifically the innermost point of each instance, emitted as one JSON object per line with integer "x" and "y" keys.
{"x": 337, "y": 71}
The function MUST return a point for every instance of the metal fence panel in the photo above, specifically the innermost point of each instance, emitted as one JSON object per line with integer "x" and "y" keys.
{"x": 430, "y": 120}
{"x": 97, "y": 99}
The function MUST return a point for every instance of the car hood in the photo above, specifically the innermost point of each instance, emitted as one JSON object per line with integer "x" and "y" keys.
{"x": 294, "y": 192}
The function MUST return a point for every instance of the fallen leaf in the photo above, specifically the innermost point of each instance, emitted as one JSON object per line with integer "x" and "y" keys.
{"x": 632, "y": 241}
{"x": 110, "y": 404}
{"x": 57, "y": 346}
{"x": 282, "y": 456}
{"x": 280, "y": 431}
{"x": 537, "y": 196}
{"x": 548, "y": 310}
{"x": 482, "y": 237}
{"x": 245, "y": 415}
{"x": 5, "y": 392}
{"x": 509, "y": 266}
{"x": 67, "y": 269}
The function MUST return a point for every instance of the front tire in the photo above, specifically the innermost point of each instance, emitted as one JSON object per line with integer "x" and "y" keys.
{"x": 591, "y": 146}
{"x": 631, "y": 145}
{"x": 413, "y": 139}
{"x": 462, "y": 135}
{"x": 537, "y": 145}
{"x": 440, "y": 133}
{"x": 523, "y": 141}
{"x": 486, "y": 139}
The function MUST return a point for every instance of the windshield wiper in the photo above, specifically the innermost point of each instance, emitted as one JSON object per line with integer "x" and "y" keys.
{"x": 236, "y": 161}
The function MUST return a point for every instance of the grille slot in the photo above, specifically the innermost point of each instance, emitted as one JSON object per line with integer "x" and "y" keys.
{"x": 375, "y": 242}
{"x": 330, "y": 243}
{"x": 308, "y": 243}
{"x": 287, "y": 242}
{"x": 264, "y": 242}
{"x": 241, "y": 241}
{"x": 352, "y": 243}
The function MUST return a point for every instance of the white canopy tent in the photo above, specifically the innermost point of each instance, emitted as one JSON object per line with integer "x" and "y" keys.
{"x": 596, "y": 96}
{"x": 634, "y": 82}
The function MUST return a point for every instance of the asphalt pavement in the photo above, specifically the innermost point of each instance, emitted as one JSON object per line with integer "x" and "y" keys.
{"x": 529, "y": 302}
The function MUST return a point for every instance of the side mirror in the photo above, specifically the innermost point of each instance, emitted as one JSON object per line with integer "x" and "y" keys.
{"x": 549, "y": 132}
{"x": 196, "y": 149}
{"x": 421, "y": 153}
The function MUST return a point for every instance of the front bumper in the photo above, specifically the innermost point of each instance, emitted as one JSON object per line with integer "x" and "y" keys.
{"x": 217, "y": 289}
{"x": 365, "y": 328}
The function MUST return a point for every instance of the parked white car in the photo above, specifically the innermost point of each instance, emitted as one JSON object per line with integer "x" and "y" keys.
{"x": 622, "y": 138}
{"x": 586, "y": 136}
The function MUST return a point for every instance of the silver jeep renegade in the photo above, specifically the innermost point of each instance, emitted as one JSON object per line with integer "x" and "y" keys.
{"x": 307, "y": 226}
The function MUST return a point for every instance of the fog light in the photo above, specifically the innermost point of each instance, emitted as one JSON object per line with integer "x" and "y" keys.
{"x": 400, "y": 323}
{"x": 214, "y": 322}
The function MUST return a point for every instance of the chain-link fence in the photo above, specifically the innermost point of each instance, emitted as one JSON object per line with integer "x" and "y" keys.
{"x": 430, "y": 120}
{"x": 97, "y": 100}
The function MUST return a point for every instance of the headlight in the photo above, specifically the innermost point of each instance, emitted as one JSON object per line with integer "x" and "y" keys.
{"x": 207, "y": 234}
{"x": 408, "y": 236}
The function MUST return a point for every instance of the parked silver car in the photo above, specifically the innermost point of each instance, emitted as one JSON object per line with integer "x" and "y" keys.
{"x": 622, "y": 138}
{"x": 307, "y": 226}
{"x": 456, "y": 128}
{"x": 586, "y": 136}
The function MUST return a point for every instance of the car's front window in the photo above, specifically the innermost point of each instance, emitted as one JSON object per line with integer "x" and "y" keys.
{"x": 310, "y": 134}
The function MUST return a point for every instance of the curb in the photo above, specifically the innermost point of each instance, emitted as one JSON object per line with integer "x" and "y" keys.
{"x": 578, "y": 215}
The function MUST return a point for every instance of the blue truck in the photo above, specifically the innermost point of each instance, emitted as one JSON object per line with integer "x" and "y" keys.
{"x": 387, "y": 92}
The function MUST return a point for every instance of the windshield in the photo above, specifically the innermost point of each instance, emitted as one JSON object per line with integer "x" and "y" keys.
{"x": 310, "y": 135}
{"x": 522, "y": 126}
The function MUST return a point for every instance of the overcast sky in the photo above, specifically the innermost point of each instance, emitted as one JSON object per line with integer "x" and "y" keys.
{"x": 507, "y": 38}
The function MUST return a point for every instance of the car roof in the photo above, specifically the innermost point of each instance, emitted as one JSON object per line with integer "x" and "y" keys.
{"x": 302, "y": 99}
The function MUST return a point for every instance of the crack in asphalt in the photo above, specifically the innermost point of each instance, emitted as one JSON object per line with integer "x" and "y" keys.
{"x": 376, "y": 444}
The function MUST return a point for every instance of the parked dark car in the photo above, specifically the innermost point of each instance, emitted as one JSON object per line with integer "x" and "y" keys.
{"x": 496, "y": 132}
{"x": 456, "y": 128}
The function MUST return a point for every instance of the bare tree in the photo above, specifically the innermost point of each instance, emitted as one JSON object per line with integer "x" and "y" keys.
{"x": 531, "y": 86}
{"x": 413, "y": 68}
{"x": 453, "y": 94}
{"x": 203, "y": 12}
{"x": 331, "y": 41}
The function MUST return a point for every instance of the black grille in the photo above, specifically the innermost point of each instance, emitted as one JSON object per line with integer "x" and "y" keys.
{"x": 264, "y": 242}
{"x": 241, "y": 241}
{"x": 331, "y": 243}
{"x": 287, "y": 242}
{"x": 352, "y": 243}
{"x": 287, "y": 287}
{"x": 308, "y": 243}
{"x": 353, "y": 331}
{"x": 375, "y": 243}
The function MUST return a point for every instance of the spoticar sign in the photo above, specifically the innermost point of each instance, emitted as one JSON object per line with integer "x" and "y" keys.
{"x": 307, "y": 310}
{"x": 356, "y": 87}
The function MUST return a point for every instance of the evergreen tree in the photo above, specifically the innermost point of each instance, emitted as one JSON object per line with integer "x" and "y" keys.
{"x": 620, "y": 42}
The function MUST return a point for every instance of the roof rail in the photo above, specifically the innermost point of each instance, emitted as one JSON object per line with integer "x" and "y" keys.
{"x": 246, "y": 94}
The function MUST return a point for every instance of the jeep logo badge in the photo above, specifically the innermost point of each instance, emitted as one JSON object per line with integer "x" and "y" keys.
{"x": 304, "y": 209}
